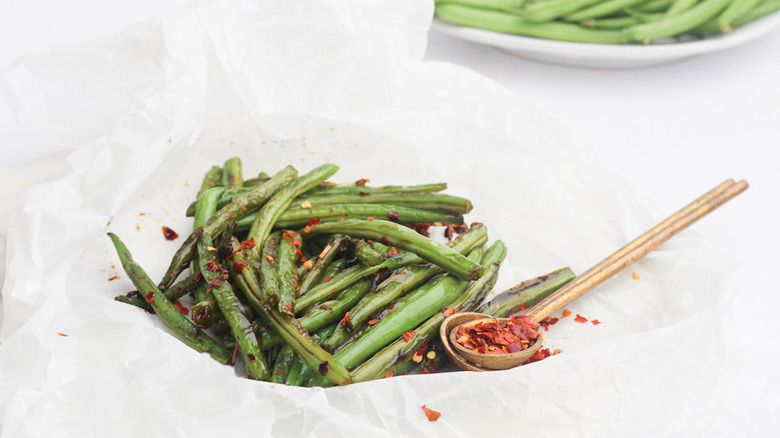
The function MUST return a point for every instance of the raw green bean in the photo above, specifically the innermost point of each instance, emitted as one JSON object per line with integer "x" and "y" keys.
{"x": 238, "y": 320}
{"x": 679, "y": 6}
{"x": 270, "y": 212}
{"x": 392, "y": 234}
{"x": 498, "y": 21}
{"x": 170, "y": 315}
{"x": 678, "y": 24}
{"x": 655, "y": 6}
{"x": 602, "y": 9}
{"x": 542, "y": 11}
{"x": 733, "y": 11}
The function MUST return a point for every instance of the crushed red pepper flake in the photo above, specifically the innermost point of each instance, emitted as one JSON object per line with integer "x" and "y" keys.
{"x": 244, "y": 245}
{"x": 385, "y": 241}
{"x": 390, "y": 374}
{"x": 149, "y": 297}
{"x": 169, "y": 233}
{"x": 345, "y": 319}
{"x": 394, "y": 251}
{"x": 269, "y": 258}
{"x": 180, "y": 307}
{"x": 430, "y": 413}
{"x": 424, "y": 372}
{"x": 447, "y": 311}
{"x": 635, "y": 276}
{"x": 393, "y": 215}
{"x": 372, "y": 321}
{"x": 62, "y": 334}
{"x": 313, "y": 221}
{"x": 595, "y": 321}
{"x": 394, "y": 310}
{"x": 362, "y": 182}
{"x": 339, "y": 219}
{"x": 296, "y": 242}
{"x": 408, "y": 336}
{"x": 239, "y": 265}
{"x": 287, "y": 307}
{"x": 328, "y": 279}
{"x": 370, "y": 218}
{"x": 580, "y": 318}
{"x": 566, "y": 313}
{"x": 114, "y": 277}
{"x": 235, "y": 352}
{"x": 298, "y": 251}
{"x": 522, "y": 306}
{"x": 290, "y": 234}
{"x": 499, "y": 337}
{"x": 547, "y": 322}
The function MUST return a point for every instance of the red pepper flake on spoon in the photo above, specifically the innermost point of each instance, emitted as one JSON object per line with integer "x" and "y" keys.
{"x": 499, "y": 337}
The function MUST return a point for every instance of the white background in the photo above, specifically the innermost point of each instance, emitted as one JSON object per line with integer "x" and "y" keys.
{"x": 672, "y": 131}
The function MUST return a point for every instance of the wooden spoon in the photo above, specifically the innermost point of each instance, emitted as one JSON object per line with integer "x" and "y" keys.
{"x": 594, "y": 276}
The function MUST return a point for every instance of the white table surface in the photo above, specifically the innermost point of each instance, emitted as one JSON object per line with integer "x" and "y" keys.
{"x": 672, "y": 131}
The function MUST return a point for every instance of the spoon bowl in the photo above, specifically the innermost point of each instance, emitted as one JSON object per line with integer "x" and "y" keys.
{"x": 473, "y": 361}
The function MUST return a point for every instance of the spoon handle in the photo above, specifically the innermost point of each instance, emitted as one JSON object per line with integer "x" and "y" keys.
{"x": 636, "y": 249}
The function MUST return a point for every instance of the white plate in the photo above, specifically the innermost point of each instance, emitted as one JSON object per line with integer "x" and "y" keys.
{"x": 608, "y": 56}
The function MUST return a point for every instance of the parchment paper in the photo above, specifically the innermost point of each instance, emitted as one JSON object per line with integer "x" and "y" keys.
{"x": 151, "y": 108}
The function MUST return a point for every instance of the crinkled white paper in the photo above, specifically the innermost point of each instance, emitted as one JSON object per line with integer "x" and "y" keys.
{"x": 303, "y": 83}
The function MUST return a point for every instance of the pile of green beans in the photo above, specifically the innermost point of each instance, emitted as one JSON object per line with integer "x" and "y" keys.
{"x": 306, "y": 282}
{"x": 606, "y": 21}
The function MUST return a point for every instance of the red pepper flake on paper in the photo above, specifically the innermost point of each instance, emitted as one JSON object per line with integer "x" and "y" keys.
{"x": 169, "y": 234}
{"x": 408, "y": 336}
{"x": 547, "y": 322}
{"x": 595, "y": 321}
{"x": 430, "y": 413}
{"x": 180, "y": 307}
{"x": 62, "y": 334}
{"x": 362, "y": 182}
{"x": 114, "y": 277}
{"x": 635, "y": 276}
{"x": 580, "y": 318}
{"x": 566, "y": 313}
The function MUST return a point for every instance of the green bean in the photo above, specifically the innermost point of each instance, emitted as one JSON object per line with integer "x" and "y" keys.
{"x": 300, "y": 371}
{"x": 270, "y": 212}
{"x": 238, "y": 320}
{"x": 320, "y": 265}
{"x": 285, "y": 326}
{"x": 611, "y": 23}
{"x": 733, "y": 11}
{"x": 441, "y": 291}
{"x": 235, "y": 210}
{"x": 542, "y": 11}
{"x": 392, "y": 234}
{"x": 326, "y": 313}
{"x": 436, "y": 202}
{"x": 170, "y": 315}
{"x": 654, "y": 6}
{"x": 298, "y": 217}
{"x": 268, "y": 269}
{"x": 678, "y": 24}
{"x": 232, "y": 176}
{"x": 396, "y": 356}
{"x": 679, "y": 6}
{"x": 602, "y": 9}
{"x": 398, "y": 284}
{"x": 212, "y": 178}
{"x": 365, "y": 253}
{"x": 490, "y": 4}
{"x": 287, "y": 273}
{"x": 508, "y": 23}
{"x": 527, "y": 293}
{"x": 283, "y": 364}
